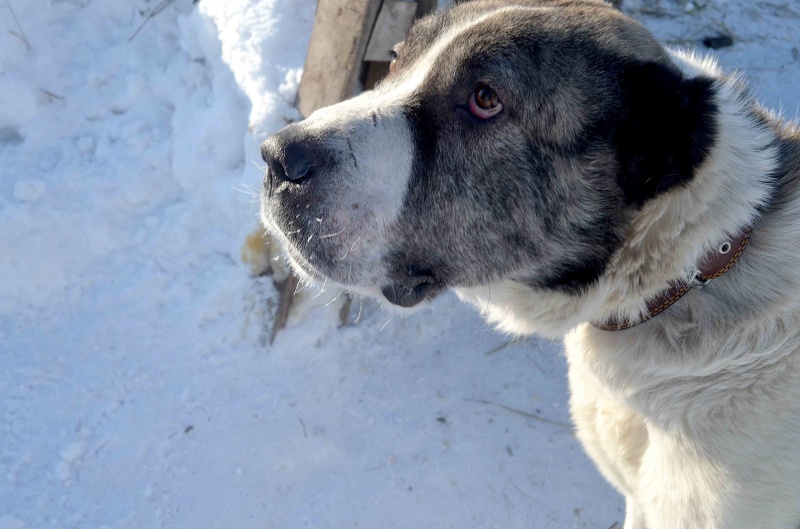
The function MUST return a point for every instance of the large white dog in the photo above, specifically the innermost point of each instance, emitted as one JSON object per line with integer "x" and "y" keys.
{"x": 559, "y": 169}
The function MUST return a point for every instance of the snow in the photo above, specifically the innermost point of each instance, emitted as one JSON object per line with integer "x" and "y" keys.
{"x": 29, "y": 190}
{"x": 138, "y": 388}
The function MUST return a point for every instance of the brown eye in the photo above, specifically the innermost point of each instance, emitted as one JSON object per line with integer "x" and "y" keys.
{"x": 484, "y": 103}
{"x": 485, "y": 98}
{"x": 393, "y": 61}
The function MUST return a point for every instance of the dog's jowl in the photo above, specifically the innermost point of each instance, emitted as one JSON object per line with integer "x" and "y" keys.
{"x": 569, "y": 176}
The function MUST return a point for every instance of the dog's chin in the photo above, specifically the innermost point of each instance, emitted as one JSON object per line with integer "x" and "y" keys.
{"x": 404, "y": 296}
{"x": 412, "y": 291}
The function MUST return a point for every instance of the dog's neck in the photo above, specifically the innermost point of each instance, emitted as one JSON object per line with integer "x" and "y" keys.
{"x": 670, "y": 234}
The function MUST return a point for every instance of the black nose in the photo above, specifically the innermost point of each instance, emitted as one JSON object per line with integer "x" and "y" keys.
{"x": 289, "y": 157}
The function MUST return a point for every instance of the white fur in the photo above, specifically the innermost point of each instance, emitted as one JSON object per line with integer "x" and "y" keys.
{"x": 695, "y": 415}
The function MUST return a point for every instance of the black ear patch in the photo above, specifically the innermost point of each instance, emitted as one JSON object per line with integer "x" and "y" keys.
{"x": 666, "y": 128}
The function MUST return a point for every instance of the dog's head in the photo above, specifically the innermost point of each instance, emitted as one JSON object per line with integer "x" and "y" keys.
{"x": 511, "y": 141}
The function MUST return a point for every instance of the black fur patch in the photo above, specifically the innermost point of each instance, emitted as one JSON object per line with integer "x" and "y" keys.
{"x": 423, "y": 129}
{"x": 574, "y": 276}
{"x": 666, "y": 129}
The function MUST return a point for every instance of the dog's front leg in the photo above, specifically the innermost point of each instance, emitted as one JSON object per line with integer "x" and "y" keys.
{"x": 613, "y": 435}
{"x": 634, "y": 519}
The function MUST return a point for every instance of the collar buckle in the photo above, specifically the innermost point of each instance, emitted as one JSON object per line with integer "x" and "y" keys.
{"x": 698, "y": 281}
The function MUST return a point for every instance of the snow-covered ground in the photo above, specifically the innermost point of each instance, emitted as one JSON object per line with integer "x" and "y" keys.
{"x": 137, "y": 386}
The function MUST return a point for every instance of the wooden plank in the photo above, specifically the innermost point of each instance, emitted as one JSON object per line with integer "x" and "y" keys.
{"x": 286, "y": 290}
{"x": 375, "y": 71}
{"x": 376, "y": 65}
{"x": 394, "y": 20}
{"x": 335, "y": 54}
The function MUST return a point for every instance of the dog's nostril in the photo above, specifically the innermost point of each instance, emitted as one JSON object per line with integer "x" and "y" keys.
{"x": 297, "y": 160}
{"x": 278, "y": 173}
{"x": 273, "y": 156}
{"x": 298, "y": 170}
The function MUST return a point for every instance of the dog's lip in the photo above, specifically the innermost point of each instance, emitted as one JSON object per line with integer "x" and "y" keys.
{"x": 412, "y": 290}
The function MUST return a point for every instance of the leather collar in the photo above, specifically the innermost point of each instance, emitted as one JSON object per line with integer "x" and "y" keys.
{"x": 713, "y": 264}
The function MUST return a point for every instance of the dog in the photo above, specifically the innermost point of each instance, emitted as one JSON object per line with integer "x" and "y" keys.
{"x": 559, "y": 169}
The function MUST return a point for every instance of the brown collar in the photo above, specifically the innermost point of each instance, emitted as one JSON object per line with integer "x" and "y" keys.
{"x": 715, "y": 263}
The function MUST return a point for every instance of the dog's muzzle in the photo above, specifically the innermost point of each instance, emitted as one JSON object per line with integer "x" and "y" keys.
{"x": 334, "y": 190}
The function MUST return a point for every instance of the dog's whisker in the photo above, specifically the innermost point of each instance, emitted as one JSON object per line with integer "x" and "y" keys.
{"x": 332, "y": 234}
{"x": 252, "y": 195}
{"x": 322, "y": 289}
{"x": 333, "y": 300}
{"x": 246, "y": 189}
{"x": 349, "y": 249}
{"x": 385, "y": 324}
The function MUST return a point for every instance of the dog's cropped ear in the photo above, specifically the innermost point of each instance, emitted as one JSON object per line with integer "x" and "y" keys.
{"x": 666, "y": 127}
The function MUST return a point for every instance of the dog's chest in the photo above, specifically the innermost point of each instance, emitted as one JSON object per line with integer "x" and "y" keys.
{"x": 715, "y": 380}
{"x": 712, "y": 441}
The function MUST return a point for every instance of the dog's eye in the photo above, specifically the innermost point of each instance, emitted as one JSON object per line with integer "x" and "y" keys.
{"x": 484, "y": 103}
{"x": 393, "y": 61}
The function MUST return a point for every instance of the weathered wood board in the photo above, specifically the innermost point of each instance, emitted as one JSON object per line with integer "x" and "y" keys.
{"x": 335, "y": 54}
{"x": 394, "y": 19}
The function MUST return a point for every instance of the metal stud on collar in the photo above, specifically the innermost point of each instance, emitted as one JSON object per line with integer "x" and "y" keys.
{"x": 697, "y": 280}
